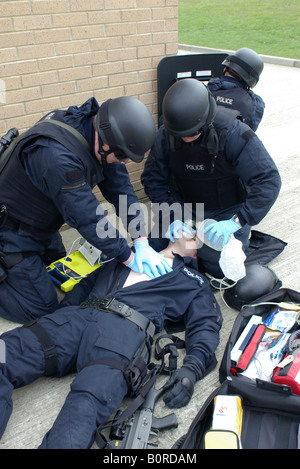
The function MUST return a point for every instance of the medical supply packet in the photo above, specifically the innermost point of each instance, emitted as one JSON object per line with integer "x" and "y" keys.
{"x": 282, "y": 320}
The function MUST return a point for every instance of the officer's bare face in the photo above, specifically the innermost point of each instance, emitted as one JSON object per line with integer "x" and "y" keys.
{"x": 191, "y": 139}
{"x": 111, "y": 158}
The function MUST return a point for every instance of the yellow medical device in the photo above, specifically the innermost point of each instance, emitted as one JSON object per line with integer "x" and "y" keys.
{"x": 68, "y": 271}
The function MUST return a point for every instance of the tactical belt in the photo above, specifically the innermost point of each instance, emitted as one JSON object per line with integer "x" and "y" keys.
{"x": 112, "y": 305}
{"x": 47, "y": 344}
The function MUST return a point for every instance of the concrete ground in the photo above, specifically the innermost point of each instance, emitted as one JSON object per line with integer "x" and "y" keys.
{"x": 36, "y": 406}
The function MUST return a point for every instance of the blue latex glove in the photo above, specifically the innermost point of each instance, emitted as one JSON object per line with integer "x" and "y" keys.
{"x": 173, "y": 229}
{"x": 147, "y": 260}
{"x": 223, "y": 228}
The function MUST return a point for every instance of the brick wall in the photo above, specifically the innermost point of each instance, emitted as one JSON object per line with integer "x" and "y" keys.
{"x": 56, "y": 53}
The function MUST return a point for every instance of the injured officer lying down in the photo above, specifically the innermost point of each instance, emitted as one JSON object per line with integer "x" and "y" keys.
{"x": 92, "y": 335}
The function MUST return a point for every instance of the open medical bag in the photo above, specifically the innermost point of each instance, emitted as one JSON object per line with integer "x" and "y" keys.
{"x": 270, "y": 416}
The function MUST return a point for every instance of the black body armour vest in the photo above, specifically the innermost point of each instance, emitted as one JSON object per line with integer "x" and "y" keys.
{"x": 203, "y": 176}
{"x": 238, "y": 99}
{"x": 35, "y": 213}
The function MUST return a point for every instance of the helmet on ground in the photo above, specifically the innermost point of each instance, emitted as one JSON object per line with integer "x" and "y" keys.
{"x": 187, "y": 107}
{"x": 125, "y": 123}
{"x": 259, "y": 281}
{"x": 247, "y": 64}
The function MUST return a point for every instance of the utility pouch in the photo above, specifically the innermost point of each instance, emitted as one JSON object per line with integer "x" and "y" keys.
{"x": 9, "y": 260}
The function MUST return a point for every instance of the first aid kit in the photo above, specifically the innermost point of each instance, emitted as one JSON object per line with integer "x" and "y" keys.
{"x": 226, "y": 428}
{"x": 260, "y": 370}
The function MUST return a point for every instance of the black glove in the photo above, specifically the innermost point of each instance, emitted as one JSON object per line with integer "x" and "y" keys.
{"x": 184, "y": 382}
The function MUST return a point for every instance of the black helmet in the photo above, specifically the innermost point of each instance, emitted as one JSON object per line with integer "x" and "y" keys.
{"x": 126, "y": 123}
{"x": 259, "y": 281}
{"x": 187, "y": 107}
{"x": 247, "y": 64}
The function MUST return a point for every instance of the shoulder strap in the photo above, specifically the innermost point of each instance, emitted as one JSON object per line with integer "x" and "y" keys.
{"x": 70, "y": 129}
{"x": 5, "y": 156}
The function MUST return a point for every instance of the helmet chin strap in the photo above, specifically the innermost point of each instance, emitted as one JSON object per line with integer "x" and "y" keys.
{"x": 103, "y": 160}
{"x": 103, "y": 124}
{"x": 210, "y": 137}
{"x": 236, "y": 76}
{"x": 103, "y": 153}
{"x": 211, "y": 113}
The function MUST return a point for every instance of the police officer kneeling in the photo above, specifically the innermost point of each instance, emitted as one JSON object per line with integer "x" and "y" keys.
{"x": 203, "y": 153}
{"x": 47, "y": 178}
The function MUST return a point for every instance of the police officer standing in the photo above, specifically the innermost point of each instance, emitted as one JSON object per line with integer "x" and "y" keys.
{"x": 204, "y": 154}
{"x": 234, "y": 88}
{"x": 46, "y": 179}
